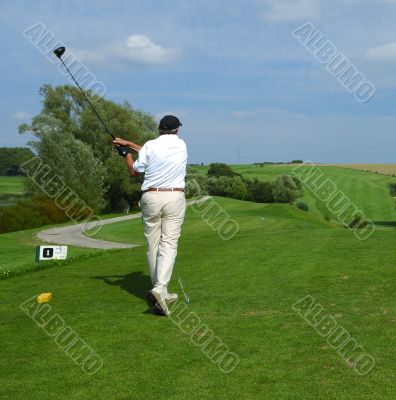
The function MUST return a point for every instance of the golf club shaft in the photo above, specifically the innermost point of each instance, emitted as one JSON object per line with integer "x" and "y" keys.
{"x": 89, "y": 102}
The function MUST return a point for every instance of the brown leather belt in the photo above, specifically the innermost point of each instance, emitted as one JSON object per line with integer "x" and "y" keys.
{"x": 163, "y": 190}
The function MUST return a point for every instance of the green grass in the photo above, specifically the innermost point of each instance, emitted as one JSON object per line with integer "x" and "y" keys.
{"x": 17, "y": 253}
{"x": 132, "y": 231}
{"x": 243, "y": 289}
{"x": 368, "y": 191}
{"x": 17, "y": 250}
{"x": 12, "y": 185}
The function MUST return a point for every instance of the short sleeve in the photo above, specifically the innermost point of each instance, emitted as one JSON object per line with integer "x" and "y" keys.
{"x": 141, "y": 162}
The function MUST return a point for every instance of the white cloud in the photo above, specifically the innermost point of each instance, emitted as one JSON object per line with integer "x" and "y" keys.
{"x": 136, "y": 48}
{"x": 21, "y": 116}
{"x": 385, "y": 52}
{"x": 290, "y": 10}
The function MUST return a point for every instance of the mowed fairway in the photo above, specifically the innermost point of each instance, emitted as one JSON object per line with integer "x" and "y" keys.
{"x": 243, "y": 289}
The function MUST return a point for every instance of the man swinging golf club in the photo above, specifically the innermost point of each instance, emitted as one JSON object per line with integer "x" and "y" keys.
{"x": 163, "y": 162}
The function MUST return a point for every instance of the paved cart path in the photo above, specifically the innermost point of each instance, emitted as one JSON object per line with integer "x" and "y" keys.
{"x": 73, "y": 235}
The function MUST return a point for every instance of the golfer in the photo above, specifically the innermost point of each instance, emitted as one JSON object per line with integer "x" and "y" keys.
{"x": 163, "y": 162}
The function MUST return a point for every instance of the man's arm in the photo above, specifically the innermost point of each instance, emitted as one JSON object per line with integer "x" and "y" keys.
{"x": 123, "y": 142}
{"x": 129, "y": 162}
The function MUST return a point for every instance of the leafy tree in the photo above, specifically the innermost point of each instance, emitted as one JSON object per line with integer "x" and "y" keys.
{"x": 192, "y": 188}
{"x": 66, "y": 111}
{"x": 122, "y": 190}
{"x": 233, "y": 187}
{"x": 96, "y": 172}
{"x": 221, "y": 169}
{"x": 73, "y": 161}
{"x": 285, "y": 189}
{"x": 260, "y": 191}
{"x": 11, "y": 159}
{"x": 30, "y": 213}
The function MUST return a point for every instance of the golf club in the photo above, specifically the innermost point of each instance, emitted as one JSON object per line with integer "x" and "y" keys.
{"x": 122, "y": 150}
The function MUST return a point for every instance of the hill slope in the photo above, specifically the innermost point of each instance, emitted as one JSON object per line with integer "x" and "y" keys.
{"x": 368, "y": 191}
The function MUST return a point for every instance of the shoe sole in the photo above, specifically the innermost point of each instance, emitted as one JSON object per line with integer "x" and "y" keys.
{"x": 155, "y": 303}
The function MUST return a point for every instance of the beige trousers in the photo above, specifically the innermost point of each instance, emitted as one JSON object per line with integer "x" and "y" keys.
{"x": 163, "y": 215}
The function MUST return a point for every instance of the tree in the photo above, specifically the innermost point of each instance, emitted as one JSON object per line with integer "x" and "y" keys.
{"x": 192, "y": 188}
{"x": 285, "y": 189}
{"x": 73, "y": 142}
{"x": 11, "y": 159}
{"x": 260, "y": 191}
{"x": 221, "y": 169}
{"x": 66, "y": 111}
{"x": 122, "y": 190}
{"x": 73, "y": 161}
{"x": 233, "y": 187}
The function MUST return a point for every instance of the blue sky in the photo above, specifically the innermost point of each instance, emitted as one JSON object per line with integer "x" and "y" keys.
{"x": 230, "y": 69}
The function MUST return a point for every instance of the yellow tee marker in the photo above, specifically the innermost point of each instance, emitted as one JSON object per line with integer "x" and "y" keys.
{"x": 44, "y": 298}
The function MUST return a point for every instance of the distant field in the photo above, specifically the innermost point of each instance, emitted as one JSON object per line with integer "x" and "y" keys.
{"x": 11, "y": 185}
{"x": 368, "y": 191}
{"x": 386, "y": 169}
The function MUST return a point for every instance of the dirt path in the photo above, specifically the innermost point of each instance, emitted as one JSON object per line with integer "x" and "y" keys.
{"x": 73, "y": 235}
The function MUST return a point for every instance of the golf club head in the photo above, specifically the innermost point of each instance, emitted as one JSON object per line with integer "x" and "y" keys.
{"x": 59, "y": 51}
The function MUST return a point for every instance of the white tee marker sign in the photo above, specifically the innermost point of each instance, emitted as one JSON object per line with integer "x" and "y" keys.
{"x": 44, "y": 253}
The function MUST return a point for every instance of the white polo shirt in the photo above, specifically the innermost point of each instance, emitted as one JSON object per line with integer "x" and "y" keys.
{"x": 163, "y": 161}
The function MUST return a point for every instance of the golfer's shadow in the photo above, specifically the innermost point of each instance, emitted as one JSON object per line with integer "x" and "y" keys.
{"x": 135, "y": 283}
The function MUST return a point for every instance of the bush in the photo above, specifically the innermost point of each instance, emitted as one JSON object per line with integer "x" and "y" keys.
{"x": 226, "y": 186}
{"x": 202, "y": 181}
{"x": 221, "y": 169}
{"x": 285, "y": 189}
{"x": 302, "y": 205}
{"x": 30, "y": 213}
{"x": 260, "y": 191}
{"x": 11, "y": 159}
{"x": 298, "y": 183}
{"x": 235, "y": 188}
{"x": 392, "y": 189}
{"x": 356, "y": 221}
{"x": 192, "y": 188}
